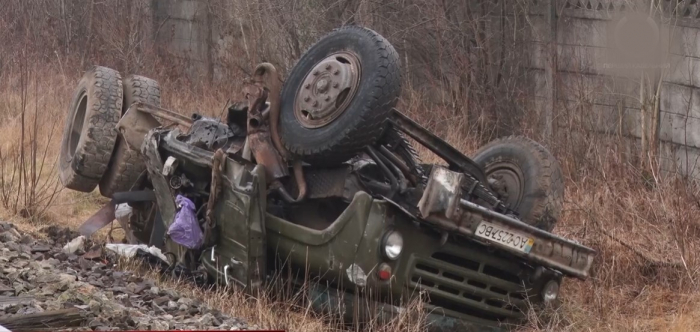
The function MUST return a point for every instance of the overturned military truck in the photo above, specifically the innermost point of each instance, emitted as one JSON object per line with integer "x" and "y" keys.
{"x": 315, "y": 179}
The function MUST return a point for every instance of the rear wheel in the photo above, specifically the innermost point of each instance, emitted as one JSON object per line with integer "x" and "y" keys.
{"x": 89, "y": 135}
{"x": 338, "y": 96}
{"x": 527, "y": 177}
{"x": 126, "y": 165}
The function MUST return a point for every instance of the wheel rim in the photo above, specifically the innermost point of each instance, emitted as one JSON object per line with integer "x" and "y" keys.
{"x": 327, "y": 89}
{"x": 76, "y": 127}
{"x": 507, "y": 180}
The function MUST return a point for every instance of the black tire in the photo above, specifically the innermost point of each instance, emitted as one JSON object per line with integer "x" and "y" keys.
{"x": 363, "y": 121}
{"x": 528, "y": 179}
{"x": 126, "y": 164}
{"x": 90, "y": 134}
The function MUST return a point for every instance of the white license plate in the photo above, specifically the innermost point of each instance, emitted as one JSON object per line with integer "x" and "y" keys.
{"x": 508, "y": 238}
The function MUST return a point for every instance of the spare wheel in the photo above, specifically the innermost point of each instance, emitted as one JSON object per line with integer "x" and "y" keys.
{"x": 337, "y": 97}
{"x": 90, "y": 134}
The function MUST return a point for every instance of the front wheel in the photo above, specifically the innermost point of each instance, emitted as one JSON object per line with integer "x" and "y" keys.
{"x": 527, "y": 177}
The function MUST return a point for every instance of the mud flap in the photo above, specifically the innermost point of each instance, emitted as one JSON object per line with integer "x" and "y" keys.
{"x": 239, "y": 256}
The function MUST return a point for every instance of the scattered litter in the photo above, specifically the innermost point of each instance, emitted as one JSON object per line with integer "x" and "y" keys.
{"x": 185, "y": 230}
{"x": 74, "y": 245}
{"x": 94, "y": 252}
{"x": 129, "y": 250}
{"x": 123, "y": 210}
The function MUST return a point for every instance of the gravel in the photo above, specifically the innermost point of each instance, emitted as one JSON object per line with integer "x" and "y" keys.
{"x": 109, "y": 300}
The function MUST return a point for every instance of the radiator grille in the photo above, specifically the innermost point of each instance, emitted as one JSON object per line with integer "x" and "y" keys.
{"x": 469, "y": 286}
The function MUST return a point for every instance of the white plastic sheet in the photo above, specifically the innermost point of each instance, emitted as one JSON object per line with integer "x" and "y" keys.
{"x": 74, "y": 245}
{"x": 129, "y": 250}
{"x": 123, "y": 210}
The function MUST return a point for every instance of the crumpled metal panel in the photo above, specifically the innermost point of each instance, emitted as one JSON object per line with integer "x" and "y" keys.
{"x": 442, "y": 194}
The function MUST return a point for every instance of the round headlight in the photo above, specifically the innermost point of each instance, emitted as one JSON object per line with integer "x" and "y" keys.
{"x": 550, "y": 292}
{"x": 393, "y": 245}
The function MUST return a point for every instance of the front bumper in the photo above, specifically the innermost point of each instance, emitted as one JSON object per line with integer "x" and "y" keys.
{"x": 442, "y": 205}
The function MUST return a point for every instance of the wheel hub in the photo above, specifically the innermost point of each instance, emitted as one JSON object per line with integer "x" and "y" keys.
{"x": 507, "y": 182}
{"x": 327, "y": 89}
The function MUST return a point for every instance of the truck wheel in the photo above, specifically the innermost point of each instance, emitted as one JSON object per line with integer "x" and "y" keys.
{"x": 126, "y": 164}
{"x": 338, "y": 96}
{"x": 527, "y": 177}
{"x": 90, "y": 134}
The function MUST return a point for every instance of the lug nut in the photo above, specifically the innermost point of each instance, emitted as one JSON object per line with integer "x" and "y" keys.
{"x": 306, "y": 99}
{"x": 328, "y": 67}
{"x": 336, "y": 72}
{"x": 315, "y": 72}
{"x": 328, "y": 98}
{"x": 336, "y": 85}
{"x": 307, "y": 86}
{"x": 315, "y": 103}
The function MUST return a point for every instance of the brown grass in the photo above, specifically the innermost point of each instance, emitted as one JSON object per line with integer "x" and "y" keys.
{"x": 644, "y": 229}
{"x": 643, "y": 224}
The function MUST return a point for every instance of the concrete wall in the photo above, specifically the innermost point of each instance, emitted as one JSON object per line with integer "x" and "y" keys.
{"x": 607, "y": 103}
{"x": 183, "y": 29}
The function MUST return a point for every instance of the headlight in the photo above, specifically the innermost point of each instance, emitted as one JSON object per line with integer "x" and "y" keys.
{"x": 393, "y": 245}
{"x": 550, "y": 292}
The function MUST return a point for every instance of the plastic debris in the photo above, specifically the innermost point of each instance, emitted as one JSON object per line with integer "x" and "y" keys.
{"x": 185, "y": 230}
{"x": 129, "y": 250}
{"x": 123, "y": 210}
{"x": 75, "y": 244}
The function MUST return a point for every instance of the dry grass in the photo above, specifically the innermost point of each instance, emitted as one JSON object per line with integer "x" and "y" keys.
{"x": 644, "y": 227}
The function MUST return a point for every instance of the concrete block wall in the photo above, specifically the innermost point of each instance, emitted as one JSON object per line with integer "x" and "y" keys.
{"x": 184, "y": 30}
{"x": 609, "y": 104}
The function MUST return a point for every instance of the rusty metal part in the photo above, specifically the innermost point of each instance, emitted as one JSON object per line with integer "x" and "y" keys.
{"x": 106, "y": 215}
{"x": 327, "y": 89}
{"x": 134, "y": 125}
{"x": 218, "y": 164}
{"x": 442, "y": 205}
{"x": 273, "y": 84}
{"x": 166, "y": 114}
{"x": 94, "y": 252}
{"x": 259, "y": 136}
{"x": 141, "y": 118}
{"x": 97, "y": 221}
{"x": 435, "y": 144}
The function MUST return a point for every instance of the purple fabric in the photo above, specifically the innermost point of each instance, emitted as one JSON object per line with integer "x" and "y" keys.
{"x": 185, "y": 230}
